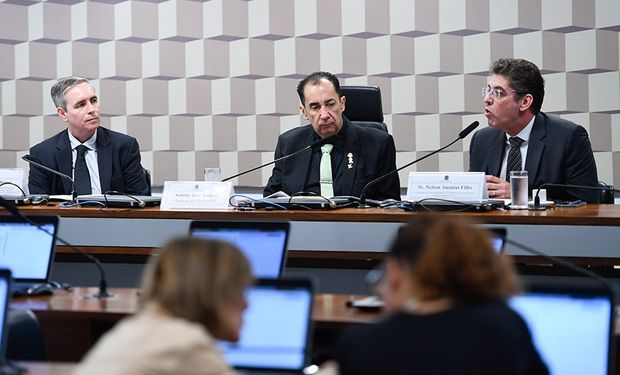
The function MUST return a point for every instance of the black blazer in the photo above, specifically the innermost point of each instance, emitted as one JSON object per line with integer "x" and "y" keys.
{"x": 118, "y": 157}
{"x": 559, "y": 152}
{"x": 374, "y": 155}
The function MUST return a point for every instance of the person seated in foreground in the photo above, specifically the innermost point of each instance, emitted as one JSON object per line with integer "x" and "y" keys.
{"x": 192, "y": 294}
{"x": 445, "y": 289}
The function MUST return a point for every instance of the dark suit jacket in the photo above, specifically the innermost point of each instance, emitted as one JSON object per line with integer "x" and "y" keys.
{"x": 374, "y": 155}
{"x": 118, "y": 157}
{"x": 559, "y": 152}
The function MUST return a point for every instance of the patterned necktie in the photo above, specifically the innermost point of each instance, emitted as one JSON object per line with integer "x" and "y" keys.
{"x": 81, "y": 176}
{"x": 327, "y": 188}
{"x": 514, "y": 156}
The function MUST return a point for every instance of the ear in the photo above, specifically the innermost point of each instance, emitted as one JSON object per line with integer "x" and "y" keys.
{"x": 526, "y": 102}
{"x": 302, "y": 110}
{"x": 61, "y": 113}
{"x": 343, "y": 101}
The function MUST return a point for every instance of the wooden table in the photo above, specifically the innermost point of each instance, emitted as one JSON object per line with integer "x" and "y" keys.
{"x": 347, "y": 234}
{"x": 73, "y": 321}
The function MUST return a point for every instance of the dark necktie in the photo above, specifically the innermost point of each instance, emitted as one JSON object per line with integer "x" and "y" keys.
{"x": 514, "y": 156}
{"x": 80, "y": 173}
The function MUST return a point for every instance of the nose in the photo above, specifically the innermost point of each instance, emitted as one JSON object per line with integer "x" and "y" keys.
{"x": 488, "y": 99}
{"x": 324, "y": 113}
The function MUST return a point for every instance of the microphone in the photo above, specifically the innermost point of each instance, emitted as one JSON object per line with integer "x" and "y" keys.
{"x": 538, "y": 207}
{"x": 103, "y": 283}
{"x": 464, "y": 133}
{"x": 312, "y": 145}
{"x": 27, "y": 159}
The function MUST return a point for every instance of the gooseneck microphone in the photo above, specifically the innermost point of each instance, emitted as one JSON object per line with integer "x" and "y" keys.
{"x": 103, "y": 283}
{"x": 538, "y": 207}
{"x": 28, "y": 159}
{"x": 464, "y": 133}
{"x": 312, "y": 145}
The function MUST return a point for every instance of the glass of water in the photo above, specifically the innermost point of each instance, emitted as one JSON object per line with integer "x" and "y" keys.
{"x": 213, "y": 174}
{"x": 518, "y": 190}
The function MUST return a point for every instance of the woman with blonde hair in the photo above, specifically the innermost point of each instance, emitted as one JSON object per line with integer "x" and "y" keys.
{"x": 445, "y": 288}
{"x": 192, "y": 294}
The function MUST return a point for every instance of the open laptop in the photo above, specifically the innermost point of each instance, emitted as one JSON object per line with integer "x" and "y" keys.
{"x": 572, "y": 325}
{"x": 6, "y": 367}
{"x": 27, "y": 250}
{"x": 264, "y": 243}
{"x": 277, "y": 326}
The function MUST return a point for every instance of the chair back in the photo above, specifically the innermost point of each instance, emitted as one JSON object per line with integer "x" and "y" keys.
{"x": 24, "y": 337}
{"x": 606, "y": 196}
{"x": 147, "y": 178}
{"x": 363, "y": 105}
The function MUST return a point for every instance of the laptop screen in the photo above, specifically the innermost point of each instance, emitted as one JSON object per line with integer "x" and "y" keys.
{"x": 264, "y": 243}
{"x": 572, "y": 332}
{"x": 27, "y": 250}
{"x": 5, "y": 284}
{"x": 276, "y": 327}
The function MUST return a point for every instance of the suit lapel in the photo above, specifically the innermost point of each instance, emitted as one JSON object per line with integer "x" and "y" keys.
{"x": 64, "y": 159}
{"x": 104, "y": 159}
{"x": 496, "y": 154}
{"x": 301, "y": 166}
{"x": 351, "y": 158}
{"x": 535, "y": 148}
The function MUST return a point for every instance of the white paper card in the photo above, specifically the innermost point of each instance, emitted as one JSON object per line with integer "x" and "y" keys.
{"x": 454, "y": 186}
{"x": 196, "y": 195}
{"x": 11, "y": 175}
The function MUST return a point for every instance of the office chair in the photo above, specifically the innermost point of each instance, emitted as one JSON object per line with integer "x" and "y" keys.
{"x": 147, "y": 178}
{"x": 24, "y": 337}
{"x": 363, "y": 105}
{"x": 606, "y": 196}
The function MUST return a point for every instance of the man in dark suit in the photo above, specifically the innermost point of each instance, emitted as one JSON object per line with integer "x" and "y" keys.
{"x": 551, "y": 149}
{"x": 98, "y": 159}
{"x": 357, "y": 154}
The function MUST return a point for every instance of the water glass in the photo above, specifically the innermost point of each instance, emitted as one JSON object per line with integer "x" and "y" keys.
{"x": 518, "y": 190}
{"x": 213, "y": 174}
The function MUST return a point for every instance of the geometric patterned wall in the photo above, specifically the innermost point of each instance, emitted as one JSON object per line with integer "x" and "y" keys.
{"x": 212, "y": 83}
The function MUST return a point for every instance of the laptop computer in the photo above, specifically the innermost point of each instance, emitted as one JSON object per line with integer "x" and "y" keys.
{"x": 27, "y": 250}
{"x": 277, "y": 327}
{"x": 572, "y": 325}
{"x": 6, "y": 367}
{"x": 264, "y": 243}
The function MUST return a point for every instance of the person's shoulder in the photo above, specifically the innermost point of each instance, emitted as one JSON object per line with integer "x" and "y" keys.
{"x": 50, "y": 142}
{"x": 369, "y": 131}
{"x": 559, "y": 123}
{"x": 296, "y": 132}
{"x": 114, "y": 135}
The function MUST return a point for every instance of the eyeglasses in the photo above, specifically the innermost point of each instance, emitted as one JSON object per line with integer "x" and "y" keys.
{"x": 496, "y": 93}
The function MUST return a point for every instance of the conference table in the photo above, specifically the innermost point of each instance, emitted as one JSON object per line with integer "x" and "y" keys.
{"x": 72, "y": 321}
{"x": 588, "y": 234}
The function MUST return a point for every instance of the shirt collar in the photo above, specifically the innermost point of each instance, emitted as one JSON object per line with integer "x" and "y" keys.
{"x": 525, "y": 133}
{"x": 91, "y": 142}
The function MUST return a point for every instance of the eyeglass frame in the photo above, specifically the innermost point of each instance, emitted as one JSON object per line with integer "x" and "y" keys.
{"x": 497, "y": 93}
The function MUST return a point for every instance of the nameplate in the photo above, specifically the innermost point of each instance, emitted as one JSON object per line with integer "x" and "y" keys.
{"x": 196, "y": 195}
{"x": 454, "y": 186}
{"x": 9, "y": 176}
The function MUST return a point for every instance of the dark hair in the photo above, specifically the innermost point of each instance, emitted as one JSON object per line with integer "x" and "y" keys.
{"x": 314, "y": 79}
{"x": 450, "y": 257}
{"x": 524, "y": 77}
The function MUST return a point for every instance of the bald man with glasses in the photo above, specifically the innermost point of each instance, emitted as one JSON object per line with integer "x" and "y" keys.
{"x": 521, "y": 137}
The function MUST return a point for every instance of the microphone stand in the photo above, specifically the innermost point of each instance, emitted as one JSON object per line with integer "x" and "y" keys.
{"x": 103, "y": 283}
{"x": 464, "y": 133}
{"x": 310, "y": 146}
{"x": 74, "y": 194}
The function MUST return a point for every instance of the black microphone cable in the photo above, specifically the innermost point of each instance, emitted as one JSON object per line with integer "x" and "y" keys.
{"x": 103, "y": 283}
{"x": 538, "y": 207}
